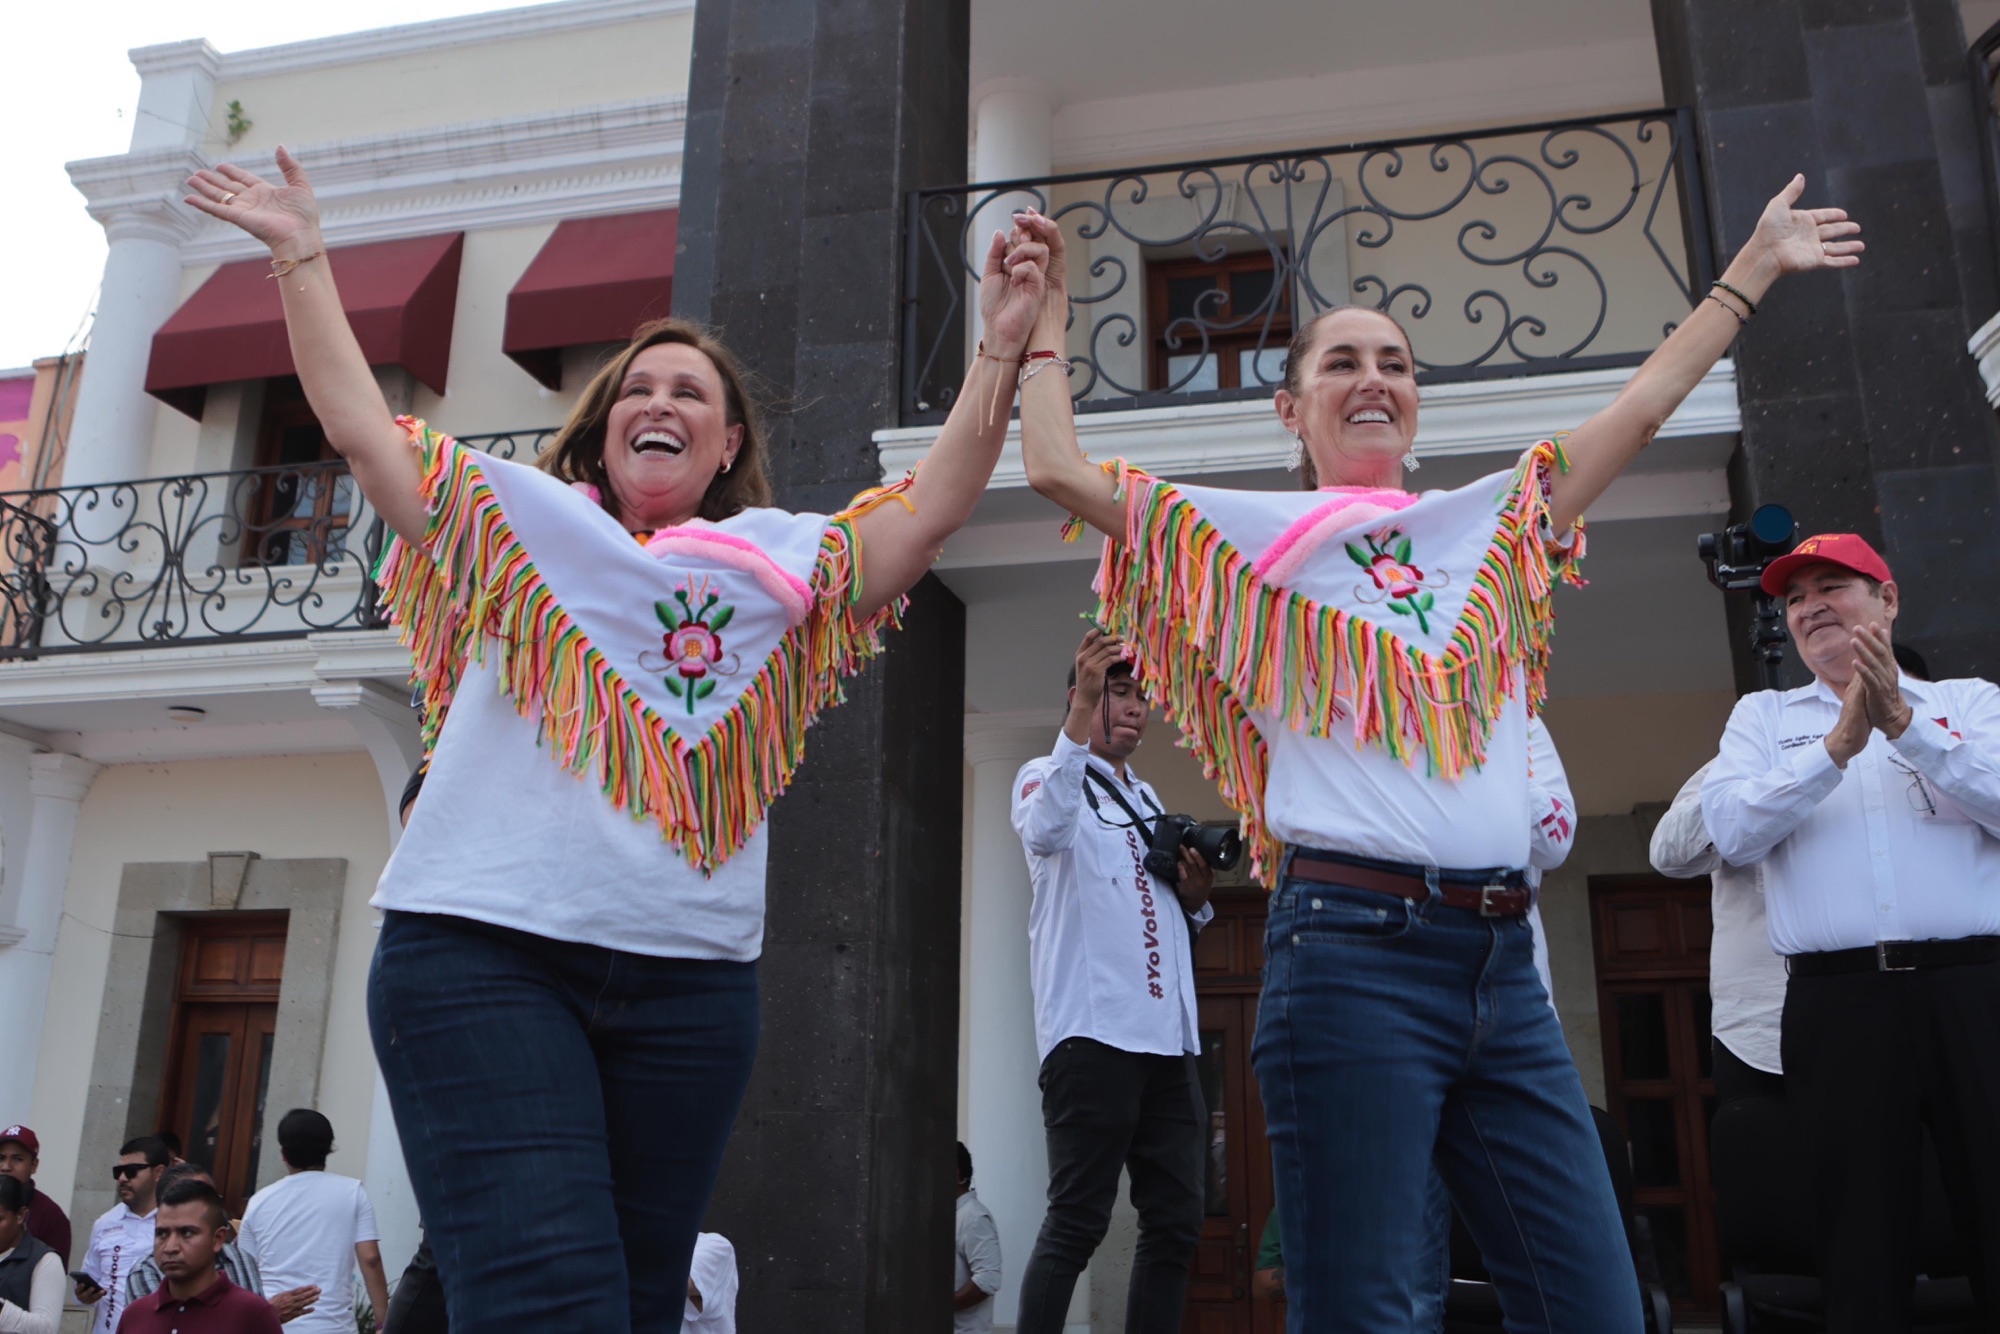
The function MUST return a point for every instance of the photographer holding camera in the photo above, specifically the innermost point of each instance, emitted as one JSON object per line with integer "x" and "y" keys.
{"x": 1115, "y": 1026}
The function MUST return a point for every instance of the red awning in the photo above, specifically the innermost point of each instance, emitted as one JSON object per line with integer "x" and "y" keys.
{"x": 594, "y": 280}
{"x": 399, "y": 295}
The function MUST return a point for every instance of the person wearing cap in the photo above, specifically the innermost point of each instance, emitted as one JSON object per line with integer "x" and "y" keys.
{"x": 20, "y": 1157}
{"x": 1872, "y": 799}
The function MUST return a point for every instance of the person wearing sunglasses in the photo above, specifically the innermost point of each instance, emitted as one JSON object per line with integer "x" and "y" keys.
{"x": 122, "y": 1238}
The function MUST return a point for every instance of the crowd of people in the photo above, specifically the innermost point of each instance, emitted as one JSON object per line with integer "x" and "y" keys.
{"x": 620, "y": 650}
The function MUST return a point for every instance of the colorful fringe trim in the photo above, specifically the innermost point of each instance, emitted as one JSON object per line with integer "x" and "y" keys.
{"x": 477, "y": 587}
{"x": 1215, "y": 642}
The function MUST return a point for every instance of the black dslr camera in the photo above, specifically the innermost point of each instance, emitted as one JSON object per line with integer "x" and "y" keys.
{"x": 1736, "y": 559}
{"x": 1220, "y": 848}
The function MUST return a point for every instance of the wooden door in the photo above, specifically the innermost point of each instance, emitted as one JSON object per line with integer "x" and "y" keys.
{"x": 1229, "y": 961}
{"x": 1651, "y": 936}
{"x": 223, "y": 1033}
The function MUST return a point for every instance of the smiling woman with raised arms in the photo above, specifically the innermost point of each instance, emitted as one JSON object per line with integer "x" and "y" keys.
{"x": 1356, "y": 666}
{"x": 565, "y": 990}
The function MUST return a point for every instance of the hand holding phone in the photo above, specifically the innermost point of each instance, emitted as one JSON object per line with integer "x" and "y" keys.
{"x": 87, "y": 1289}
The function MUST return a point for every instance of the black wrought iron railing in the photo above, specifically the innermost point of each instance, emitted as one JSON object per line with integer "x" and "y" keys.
{"x": 1559, "y": 246}
{"x": 263, "y": 553}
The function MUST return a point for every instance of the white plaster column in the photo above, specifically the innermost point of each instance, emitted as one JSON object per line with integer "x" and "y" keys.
{"x": 1013, "y": 139}
{"x": 1003, "y": 1104}
{"x": 387, "y": 726}
{"x": 136, "y": 198}
{"x": 31, "y": 911}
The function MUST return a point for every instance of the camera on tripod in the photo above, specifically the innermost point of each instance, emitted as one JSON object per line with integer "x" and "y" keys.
{"x": 1736, "y": 559}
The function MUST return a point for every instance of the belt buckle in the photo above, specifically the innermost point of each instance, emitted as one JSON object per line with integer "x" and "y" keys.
{"x": 1486, "y": 893}
{"x": 1882, "y": 964}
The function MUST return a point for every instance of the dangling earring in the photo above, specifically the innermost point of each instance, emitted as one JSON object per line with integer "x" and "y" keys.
{"x": 1298, "y": 454}
{"x": 1410, "y": 463}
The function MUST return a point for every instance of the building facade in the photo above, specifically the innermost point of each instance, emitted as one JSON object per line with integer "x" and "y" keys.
{"x": 203, "y": 727}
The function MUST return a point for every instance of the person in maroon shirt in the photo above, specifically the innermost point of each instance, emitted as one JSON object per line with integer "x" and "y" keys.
{"x": 20, "y": 1155}
{"x": 188, "y": 1232}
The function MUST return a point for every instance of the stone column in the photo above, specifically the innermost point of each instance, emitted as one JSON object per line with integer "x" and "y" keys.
{"x": 31, "y": 911}
{"x": 808, "y": 121}
{"x": 1003, "y": 1103}
{"x": 1861, "y": 409}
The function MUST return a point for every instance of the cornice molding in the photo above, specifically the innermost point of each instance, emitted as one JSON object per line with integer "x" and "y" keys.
{"x": 515, "y": 171}
{"x": 1479, "y": 417}
{"x": 171, "y": 57}
{"x": 440, "y": 34}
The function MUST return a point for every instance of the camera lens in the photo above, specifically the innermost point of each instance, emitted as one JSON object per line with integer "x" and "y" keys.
{"x": 1773, "y": 526}
{"x": 1221, "y": 847}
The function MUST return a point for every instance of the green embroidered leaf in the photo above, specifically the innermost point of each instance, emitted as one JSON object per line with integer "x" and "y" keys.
{"x": 722, "y": 618}
{"x": 1426, "y": 602}
{"x": 674, "y": 686}
{"x": 703, "y": 689}
{"x": 1403, "y": 550}
{"x": 1357, "y": 555}
{"x": 668, "y": 616}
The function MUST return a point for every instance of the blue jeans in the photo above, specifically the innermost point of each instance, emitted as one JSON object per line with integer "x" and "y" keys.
{"x": 563, "y": 1110}
{"x": 1393, "y": 1036}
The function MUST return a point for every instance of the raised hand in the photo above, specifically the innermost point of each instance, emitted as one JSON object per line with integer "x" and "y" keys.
{"x": 1010, "y": 291}
{"x": 1849, "y": 736}
{"x": 1797, "y": 239}
{"x": 1882, "y": 691}
{"x": 284, "y": 217}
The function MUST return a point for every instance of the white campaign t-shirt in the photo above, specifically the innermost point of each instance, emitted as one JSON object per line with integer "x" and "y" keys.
{"x": 712, "y": 1271}
{"x": 303, "y": 1230}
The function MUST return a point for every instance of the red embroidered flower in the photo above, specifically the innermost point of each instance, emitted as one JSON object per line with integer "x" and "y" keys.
{"x": 1395, "y": 577}
{"x": 693, "y": 649}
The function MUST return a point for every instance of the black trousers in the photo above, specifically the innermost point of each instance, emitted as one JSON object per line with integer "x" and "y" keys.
{"x": 1871, "y": 1059}
{"x": 1737, "y": 1078}
{"x": 1106, "y": 1110}
{"x": 417, "y": 1304}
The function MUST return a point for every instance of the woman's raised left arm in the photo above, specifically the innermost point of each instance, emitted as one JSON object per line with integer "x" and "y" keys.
{"x": 899, "y": 542}
{"x": 1786, "y": 240}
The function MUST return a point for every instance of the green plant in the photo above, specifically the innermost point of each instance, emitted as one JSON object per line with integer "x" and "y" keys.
{"x": 238, "y": 124}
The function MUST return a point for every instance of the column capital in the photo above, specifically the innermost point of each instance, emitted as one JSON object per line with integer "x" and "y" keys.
{"x": 392, "y": 706}
{"x": 139, "y": 194}
{"x": 172, "y": 57}
{"x": 1015, "y": 737}
{"x": 61, "y": 777}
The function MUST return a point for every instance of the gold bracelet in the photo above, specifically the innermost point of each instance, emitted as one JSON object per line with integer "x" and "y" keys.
{"x": 281, "y": 267}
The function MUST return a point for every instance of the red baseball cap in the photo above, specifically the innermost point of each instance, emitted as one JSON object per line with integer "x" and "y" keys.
{"x": 1843, "y": 549}
{"x": 24, "y": 1136}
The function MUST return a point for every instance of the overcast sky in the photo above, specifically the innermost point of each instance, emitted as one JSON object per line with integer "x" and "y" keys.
{"x": 67, "y": 91}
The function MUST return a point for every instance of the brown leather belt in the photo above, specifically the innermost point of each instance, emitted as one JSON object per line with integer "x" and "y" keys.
{"x": 1495, "y": 898}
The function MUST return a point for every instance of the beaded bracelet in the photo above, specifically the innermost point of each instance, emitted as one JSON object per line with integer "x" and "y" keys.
{"x": 1740, "y": 318}
{"x": 1748, "y": 304}
{"x": 1034, "y": 363}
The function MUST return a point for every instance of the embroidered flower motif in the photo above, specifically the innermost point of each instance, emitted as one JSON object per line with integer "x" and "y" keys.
{"x": 694, "y": 619}
{"x": 1397, "y": 581}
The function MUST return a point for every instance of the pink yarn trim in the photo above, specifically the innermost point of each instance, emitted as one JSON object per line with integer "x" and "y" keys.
{"x": 788, "y": 590}
{"x": 1350, "y": 505}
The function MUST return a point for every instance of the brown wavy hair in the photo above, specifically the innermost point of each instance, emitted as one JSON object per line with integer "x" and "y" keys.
{"x": 577, "y": 452}
{"x": 1300, "y": 352}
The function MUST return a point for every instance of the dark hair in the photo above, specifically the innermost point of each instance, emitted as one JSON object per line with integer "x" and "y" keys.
{"x": 1911, "y": 661}
{"x": 1123, "y": 667}
{"x": 14, "y": 1194}
{"x": 964, "y": 1162}
{"x": 186, "y": 1190}
{"x": 305, "y": 1138}
{"x": 1299, "y": 352}
{"x": 152, "y": 1146}
{"x": 183, "y": 1171}
{"x": 577, "y": 453}
{"x": 171, "y": 1140}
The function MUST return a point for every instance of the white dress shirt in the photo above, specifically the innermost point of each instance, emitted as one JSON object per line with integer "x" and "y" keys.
{"x": 1904, "y": 844}
{"x": 975, "y": 1259}
{"x": 712, "y": 1273}
{"x": 1746, "y": 978}
{"x": 1550, "y": 837}
{"x": 1109, "y": 953}
{"x": 119, "y": 1240}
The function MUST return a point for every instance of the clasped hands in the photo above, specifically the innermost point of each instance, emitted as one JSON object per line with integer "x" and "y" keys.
{"x": 1874, "y": 700}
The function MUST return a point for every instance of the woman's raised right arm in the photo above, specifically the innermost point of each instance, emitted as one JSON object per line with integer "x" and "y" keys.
{"x": 338, "y": 383}
{"x": 1053, "y": 460}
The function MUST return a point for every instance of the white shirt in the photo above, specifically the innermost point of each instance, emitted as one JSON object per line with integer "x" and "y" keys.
{"x": 119, "y": 1241}
{"x": 302, "y": 1229}
{"x": 1902, "y": 845}
{"x": 713, "y": 1273}
{"x": 975, "y": 1259}
{"x": 43, "y": 1314}
{"x": 1550, "y": 837}
{"x": 1327, "y": 793}
{"x": 1110, "y": 957}
{"x": 502, "y": 826}
{"x": 1746, "y": 979}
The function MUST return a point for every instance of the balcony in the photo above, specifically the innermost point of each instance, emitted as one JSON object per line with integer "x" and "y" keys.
{"x": 204, "y": 558}
{"x": 1564, "y": 246}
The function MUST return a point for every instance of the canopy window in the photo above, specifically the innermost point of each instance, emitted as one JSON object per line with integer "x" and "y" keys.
{"x": 594, "y": 280}
{"x": 400, "y": 297}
